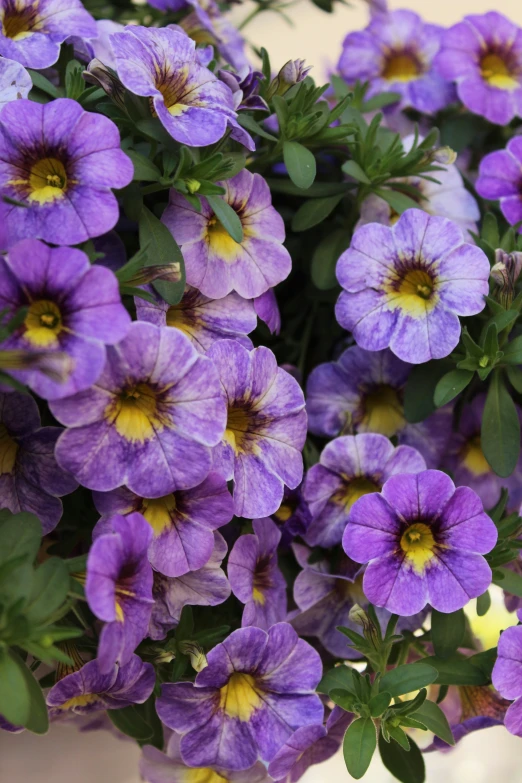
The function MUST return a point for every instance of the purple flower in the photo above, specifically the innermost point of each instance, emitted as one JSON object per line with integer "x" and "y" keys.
{"x": 118, "y": 588}
{"x": 350, "y": 466}
{"x": 423, "y": 541}
{"x": 217, "y": 264}
{"x": 30, "y": 479}
{"x": 15, "y": 82}
{"x": 73, "y": 307}
{"x": 483, "y": 55}
{"x": 507, "y": 676}
{"x": 61, "y": 162}
{"x": 202, "y": 319}
{"x": 244, "y": 86}
{"x": 265, "y": 430}
{"x": 293, "y": 515}
{"x": 395, "y": 53}
{"x": 405, "y": 286}
{"x": 207, "y": 24}
{"x": 205, "y": 586}
{"x": 149, "y": 421}
{"x": 88, "y": 689}
{"x": 182, "y": 522}
{"x": 31, "y": 32}
{"x": 470, "y": 708}
{"x": 255, "y": 577}
{"x": 268, "y": 310}
{"x": 500, "y": 178}
{"x": 257, "y": 689}
{"x": 364, "y": 391}
{"x": 162, "y": 64}
{"x": 100, "y": 47}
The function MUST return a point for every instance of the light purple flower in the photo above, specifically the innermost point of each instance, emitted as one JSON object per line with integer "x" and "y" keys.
{"x": 15, "y": 82}
{"x": 363, "y": 391}
{"x": 206, "y": 586}
{"x": 61, "y": 162}
{"x": 265, "y": 430}
{"x": 350, "y": 466}
{"x": 405, "y": 286}
{"x": 162, "y": 64}
{"x": 470, "y": 708}
{"x": 149, "y": 421}
{"x": 257, "y": 689}
{"x": 118, "y": 588}
{"x": 182, "y": 522}
{"x": 483, "y": 55}
{"x": 207, "y": 24}
{"x": 395, "y": 53}
{"x": 507, "y": 676}
{"x": 202, "y": 319}
{"x": 73, "y": 307}
{"x": 88, "y": 689}
{"x": 30, "y": 478}
{"x": 423, "y": 541}
{"x": 100, "y": 47}
{"x": 31, "y": 32}
{"x": 293, "y": 515}
{"x": 217, "y": 264}
{"x": 255, "y": 577}
{"x": 245, "y": 86}
{"x": 268, "y": 310}
{"x": 500, "y": 178}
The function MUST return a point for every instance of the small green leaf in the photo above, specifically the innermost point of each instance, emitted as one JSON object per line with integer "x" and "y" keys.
{"x": 49, "y": 591}
{"x": 450, "y": 385}
{"x": 15, "y": 699}
{"x": 162, "y": 248}
{"x": 456, "y": 670}
{"x": 483, "y": 603}
{"x": 314, "y": 211}
{"x": 406, "y": 678}
{"x": 352, "y": 169}
{"x": 43, "y": 84}
{"x": 132, "y": 721}
{"x": 343, "y": 699}
{"x": 447, "y": 632}
{"x": 399, "y": 736}
{"x": 379, "y": 703}
{"x": 489, "y": 231}
{"x": 434, "y": 719}
{"x": 500, "y": 432}
{"x": 227, "y": 216}
{"x": 508, "y": 580}
{"x": 514, "y": 375}
{"x": 398, "y": 201}
{"x": 38, "y": 720}
{"x": 420, "y": 388}
{"x": 339, "y": 677}
{"x": 20, "y": 535}
{"x": 300, "y": 164}
{"x": 325, "y": 257}
{"x": 359, "y": 746}
{"x": 144, "y": 168}
{"x": 246, "y": 121}
{"x": 513, "y": 351}
{"x": 406, "y": 766}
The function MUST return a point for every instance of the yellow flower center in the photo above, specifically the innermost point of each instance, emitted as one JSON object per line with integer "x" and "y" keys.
{"x": 496, "y": 72}
{"x": 258, "y": 597}
{"x": 173, "y": 89}
{"x": 79, "y": 701}
{"x": 401, "y": 67}
{"x": 413, "y": 292}
{"x": 135, "y": 413}
{"x": 43, "y": 324}
{"x": 8, "y": 451}
{"x": 353, "y": 489}
{"x": 418, "y": 545}
{"x": 285, "y": 511}
{"x": 47, "y": 181}
{"x": 237, "y": 429}
{"x": 383, "y": 412}
{"x": 220, "y": 241}
{"x": 239, "y": 697}
{"x": 18, "y": 23}
{"x": 202, "y": 775}
{"x": 158, "y": 512}
{"x": 473, "y": 457}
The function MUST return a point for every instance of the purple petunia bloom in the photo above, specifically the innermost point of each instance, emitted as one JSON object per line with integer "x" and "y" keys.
{"x": 265, "y": 429}
{"x": 88, "y": 689}
{"x": 100, "y": 47}
{"x": 350, "y": 466}
{"x": 202, "y": 319}
{"x": 500, "y": 178}
{"x": 118, "y": 588}
{"x": 182, "y": 522}
{"x": 507, "y": 676}
{"x": 245, "y": 86}
{"x": 73, "y": 307}
{"x": 15, "y": 82}
{"x": 31, "y": 32}
{"x": 423, "y": 541}
{"x": 470, "y": 708}
{"x": 217, "y": 264}
{"x": 257, "y": 689}
{"x": 395, "y": 53}
{"x": 30, "y": 478}
{"x": 268, "y": 310}
{"x": 255, "y": 577}
{"x": 61, "y": 162}
{"x": 150, "y": 419}
{"x": 190, "y": 101}
{"x": 205, "y": 586}
{"x": 405, "y": 286}
{"x": 207, "y": 24}
{"x": 363, "y": 391}
{"x": 483, "y": 55}
{"x": 293, "y": 515}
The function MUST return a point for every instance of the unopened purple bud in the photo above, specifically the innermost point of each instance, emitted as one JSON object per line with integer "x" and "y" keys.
{"x": 505, "y": 272}
{"x": 170, "y": 273}
{"x": 292, "y": 72}
{"x": 100, "y": 75}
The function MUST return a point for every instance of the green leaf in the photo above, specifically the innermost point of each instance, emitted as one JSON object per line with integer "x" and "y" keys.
{"x": 399, "y": 736}
{"x": 420, "y": 388}
{"x": 447, "y": 632}
{"x": 43, "y": 84}
{"x": 49, "y": 591}
{"x": 340, "y": 677}
{"x": 406, "y": 765}
{"x": 513, "y": 351}
{"x": 343, "y": 699}
{"x": 325, "y": 257}
{"x": 300, "y": 164}
{"x": 227, "y": 216}
{"x": 144, "y": 169}
{"x": 162, "y": 248}
{"x": 380, "y": 101}
{"x": 352, "y": 169}
{"x": 20, "y": 535}
{"x": 514, "y": 375}
{"x": 450, "y": 385}
{"x": 15, "y": 699}
{"x": 456, "y": 671}
{"x": 398, "y": 201}
{"x": 314, "y": 211}
{"x": 406, "y": 678}
{"x": 379, "y": 703}
{"x": 483, "y": 603}
{"x": 500, "y": 432}
{"x": 508, "y": 580}
{"x": 489, "y": 231}
{"x": 132, "y": 721}
{"x": 38, "y": 720}
{"x": 434, "y": 719}
{"x": 246, "y": 121}
{"x": 359, "y": 746}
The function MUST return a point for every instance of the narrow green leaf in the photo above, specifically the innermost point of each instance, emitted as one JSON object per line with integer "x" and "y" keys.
{"x": 43, "y": 84}
{"x": 359, "y": 746}
{"x": 132, "y": 722}
{"x": 162, "y": 248}
{"x": 500, "y": 432}
{"x": 513, "y": 351}
{"x": 247, "y": 122}
{"x": 352, "y": 169}
{"x": 399, "y": 736}
{"x": 20, "y": 535}
{"x": 407, "y": 678}
{"x": 514, "y": 375}
{"x": 508, "y": 580}
{"x": 49, "y": 591}
{"x": 325, "y": 257}
{"x": 434, "y": 719}
{"x": 483, "y": 603}
{"x": 450, "y": 385}
{"x": 15, "y": 698}
{"x": 339, "y": 677}
{"x": 314, "y": 211}
{"x": 489, "y": 231}
{"x": 456, "y": 671}
{"x": 144, "y": 169}
{"x": 379, "y": 703}
{"x": 38, "y": 719}
{"x": 398, "y": 201}
{"x": 343, "y": 699}
{"x": 300, "y": 164}
{"x": 447, "y": 632}
{"x": 420, "y": 387}
{"x": 406, "y": 766}
{"x": 227, "y": 216}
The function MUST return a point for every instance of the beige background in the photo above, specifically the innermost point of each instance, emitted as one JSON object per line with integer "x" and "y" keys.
{"x": 67, "y": 756}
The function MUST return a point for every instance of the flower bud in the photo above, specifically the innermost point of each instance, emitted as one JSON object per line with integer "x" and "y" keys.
{"x": 444, "y": 155}
{"x": 56, "y": 365}
{"x": 195, "y": 652}
{"x": 100, "y": 75}
{"x": 170, "y": 273}
{"x": 292, "y": 72}
{"x": 505, "y": 272}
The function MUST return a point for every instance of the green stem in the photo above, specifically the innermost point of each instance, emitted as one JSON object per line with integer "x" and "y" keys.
{"x": 251, "y": 16}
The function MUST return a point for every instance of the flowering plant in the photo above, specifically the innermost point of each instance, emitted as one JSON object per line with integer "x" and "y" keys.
{"x": 261, "y": 386}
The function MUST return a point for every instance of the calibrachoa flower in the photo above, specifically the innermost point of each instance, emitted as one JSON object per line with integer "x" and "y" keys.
{"x": 255, "y": 577}
{"x": 265, "y": 429}
{"x": 61, "y": 162}
{"x": 88, "y": 689}
{"x": 15, "y": 82}
{"x": 350, "y": 466}
{"x": 395, "y": 53}
{"x": 257, "y": 689}
{"x": 483, "y": 55}
{"x": 73, "y": 307}
{"x": 293, "y": 515}
{"x": 208, "y": 25}
{"x": 500, "y": 178}
{"x": 118, "y": 588}
{"x": 507, "y": 676}
{"x": 182, "y": 522}
{"x": 405, "y": 286}
{"x": 31, "y": 32}
{"x": 216, "y": 263}
{"x": 99, "y": 47}
{"x": 162, "y": 64}
{"x": 245, "y": 86}
{"x": 268, "y": 310}
{"x": 30, "y": 478}
{"x": 423, "y": 541}
{"x": 149, "y": 420}
{"x": 202, "y": 319}
{"x": 205, "y": 586}
{"x": 470, "y": 708}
